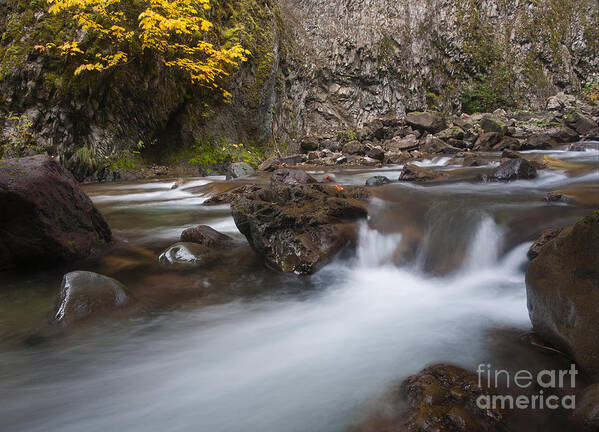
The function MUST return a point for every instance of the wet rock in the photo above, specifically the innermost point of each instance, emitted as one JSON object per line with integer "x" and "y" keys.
{"x": 178, "y": 184}
{"x": 545, "y": 237}
{"x": 562, "y": 287}
{"x": 430, "y": 121}
{"x": 580, "y": 123}
{"x": 513, "y": 169}
{"x": 229, "y": 196}
{"x": 538, "y": 142}
{"x": 376, "y": 153}
{"x": 291, "y": 177}
{"x": 586, "y": 414}
{"x": 397, "y": 158}
{"x": 45, "y": 217}
{"x": 205, "y": 235}
{"x": 270, "y": 164}
{"x": 298, "y": 228}
{"x": 507, "y": 143}
{"x": 433, "y": 144}
{"x": 413, "y": 172}
{"x": 474, "y": 161}
{"x": 353, "y": 148}
{"x": 440, "y": 398}
{"x": 84, "y": 294}
{"x": 554, "y": 197}
{"x": 377, "y": 181}
{"x": 309, "y": 144}
{"x": 577, "y": 148}
{"x": 239, "y": 170}
{"x": 187, "y": 254}
{"x": 562, "y": 134}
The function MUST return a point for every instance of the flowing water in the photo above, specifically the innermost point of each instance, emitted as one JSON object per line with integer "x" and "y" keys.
{"x": 438, "y": 272}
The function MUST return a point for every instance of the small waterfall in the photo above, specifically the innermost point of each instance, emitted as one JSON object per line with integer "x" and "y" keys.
{"x": 485, "y": 247}
{"x": 375, "y": 249}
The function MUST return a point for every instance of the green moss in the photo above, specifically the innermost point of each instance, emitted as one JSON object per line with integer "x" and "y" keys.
{"x": 347, "y": 136}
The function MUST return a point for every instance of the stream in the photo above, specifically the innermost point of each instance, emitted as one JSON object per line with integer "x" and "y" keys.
{"x": 438, "y": 275}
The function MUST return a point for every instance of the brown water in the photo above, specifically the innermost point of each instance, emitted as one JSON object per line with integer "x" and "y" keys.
{"x": 438, "y": 270}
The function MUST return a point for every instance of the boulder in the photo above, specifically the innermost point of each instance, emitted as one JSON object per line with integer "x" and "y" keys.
{"x": 397, "y": 144}
{"x": 309, "y": 144}
{"x": 430, "y": 121}
{"x": 512, "y": 169}
{"x": 298, "y": 228}
{"x": 229, "y": 196}
{"x": 187, "y": 254}
{"x": 510, "y": 154}
{"x": 204, "y": 235}
{"x": 507, "y": 143}
{"x": 580, "y": 123}
{"x": 545, "y": 237}
{"x": 413, "y": 172}
{"x": 440, "y": 398}
{"x": 291, "y": 177}
{"x": 270, "y": 164}
{"x": 84, "y": 294}
{"x": 433, "y": 144}
{"x": 45, "y": 217}
{"x": 474, "y": 161}
{"x": 490, "y": 124}
{"x": 239, "y": 170}
{"x": 376, "y": 153}
{"x": 562, "y": 134}
{"x": 453, "y": 132}
{"x": 353, "y": 147}
{"x": 539, "y": 142}
{"x": 562, "y": 288}
{"x": 293, "y": 159}
{"x": 487, "y": 140}
{"x": 560, "y": 101}
{"x": 377, "y": 181}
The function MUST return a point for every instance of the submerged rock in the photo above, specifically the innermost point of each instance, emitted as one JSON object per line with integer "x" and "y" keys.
{"x": 204, "y": 235}
{"x": 377, "y": 181}
{"x": 512, "y": 169}
{"x": 45, "y": 217}
{"x": 239, "y": 170}
{"x": 562, "y": 287}
{"x": 183, "y": 253}
{"x": 299, "y": 227}
{"x": 84, "y": 294}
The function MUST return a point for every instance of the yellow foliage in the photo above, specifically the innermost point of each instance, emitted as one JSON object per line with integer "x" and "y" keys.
{"x": 175, "y": 30}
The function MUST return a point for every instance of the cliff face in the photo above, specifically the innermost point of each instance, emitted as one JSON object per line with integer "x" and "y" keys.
{"x": 316, "y": 65}
{"x": 368, "y": 58}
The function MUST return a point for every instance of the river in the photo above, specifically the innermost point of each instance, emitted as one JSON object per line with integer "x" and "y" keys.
{"x": 438, "y": 276}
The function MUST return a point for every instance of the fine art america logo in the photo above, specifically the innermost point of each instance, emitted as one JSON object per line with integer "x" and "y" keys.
{"x": 547, "y": 380}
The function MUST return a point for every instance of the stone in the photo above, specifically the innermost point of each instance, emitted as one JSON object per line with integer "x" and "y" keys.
{"x": 562, "y": 134}
{"x": 538, "y": 142}
{"x": 397, "y": 158}
{"x": 577, "y": 148}
{"x": 454, "y": 132}
{"x": 314, "y": 155}
{"x": 240, "y": 170}
{"x": 507, "y": 143}
{"x": 187, "y": 254}
{"x": 510, "y": 154}
{"x": 429, "y": 121}
{"x": 376, "y": 153}
{"x": 474, "y": 161}
{"x": 270, "y": 164}
{"x": 487, "y": 140}
{"x": 512, "y": 169}
{"x": 84, "y": 294}
{"x": 45, "y": 218}
{"x": 377, "y": 181}
{"x": 490, "y": 124}
{"x": 433, "y": 144}
{"x": 298, "y": 228}
{"x": 309, "y": 144}
{"x": 291, "y": 177}
{"x": 159, "y": 170}
{"x": 178, "y": 184}
{"x": 562, "y": 288}
{"x": 560, "y": 101}
{"x": 293, "y": 159}
{"x": 413, "y": 172}
{"x": 229, "y": 196}
{"x": 545, "y": 237}
{"x": 204, "y": 235}
{"x": 353, "y": 148}
{"x": 398, "y": 144}
{"x": 580, "y": 123}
